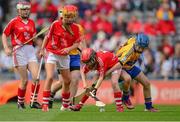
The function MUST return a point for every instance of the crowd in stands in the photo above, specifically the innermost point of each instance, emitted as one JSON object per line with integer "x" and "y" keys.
{"x": 109, "y": 23}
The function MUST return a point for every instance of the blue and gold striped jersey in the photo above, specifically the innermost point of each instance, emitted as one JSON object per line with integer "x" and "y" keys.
{"x": 127, "y": 55}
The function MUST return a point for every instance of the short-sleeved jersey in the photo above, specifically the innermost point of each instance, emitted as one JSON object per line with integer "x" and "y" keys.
{"x": 20, "y": 31}
{"x": 59, "y": 38}
{"x": 105, "y": 60}
{"x": 81, "y": 31}
{"x": 126, "y": 54}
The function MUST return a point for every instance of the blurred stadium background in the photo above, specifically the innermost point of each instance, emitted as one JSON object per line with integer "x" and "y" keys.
{"x": 108, "y": 24}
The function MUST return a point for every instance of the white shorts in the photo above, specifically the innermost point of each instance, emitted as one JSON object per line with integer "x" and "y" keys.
{"x": 24, "y": 55}
{"x": 63, "y": 61}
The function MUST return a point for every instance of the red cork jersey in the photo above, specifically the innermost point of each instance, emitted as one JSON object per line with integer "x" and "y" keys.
{"x": 59, "y": 37}
{"x": 105, "y": 59}
{"x": 20, "y": 31}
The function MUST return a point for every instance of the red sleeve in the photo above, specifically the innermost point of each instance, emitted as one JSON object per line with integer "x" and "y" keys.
{"x": 9, "y": 28}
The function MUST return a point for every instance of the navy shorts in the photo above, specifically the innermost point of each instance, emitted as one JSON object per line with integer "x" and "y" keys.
{"x": 74, "y": 62}
{"x": 133, "y": 72}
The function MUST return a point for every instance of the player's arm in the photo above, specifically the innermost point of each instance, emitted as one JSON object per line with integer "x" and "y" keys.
{"x": 98, "y": 84}
{"x": 44, "y": 42}
{"x": 99, "y": 81}
{"x": 115, "y": 67}
{"x": 8, "y": 30}
{"x": 83, "y": 76}
{"x": 74, "y": 46}
{"x": 7, "y": 49}
{"x": 4, "y": 41}
{"x": 82, "y": 44}
{"x": 95, "y": 78}
{"x": 41, "y": 53}
{"x": 68, "y": 49}
{"x": 50, "y": 32}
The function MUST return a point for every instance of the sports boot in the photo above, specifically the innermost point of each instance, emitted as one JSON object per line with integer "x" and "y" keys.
{"x": 51, "y": 100}
{"x": 76, "y": 107}
{"x": 152, "y": 110}
{"x": 45, "y": 108}
{"x": 120, "y": 108}
{"x": 21, "y": 106}
{"x": 128, "y": 104}
{"x": 35, "y": 105}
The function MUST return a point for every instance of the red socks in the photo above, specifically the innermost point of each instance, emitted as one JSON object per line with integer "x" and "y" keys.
{"x": 21, "y": 95}
{"x": 46, "y": 97}
{"x": 36, "y": 92}
{"x": 118, "y": 98}
{"x": 65, "y": 99}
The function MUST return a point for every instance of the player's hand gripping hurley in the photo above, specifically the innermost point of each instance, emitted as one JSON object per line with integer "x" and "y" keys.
{"x": 99, "y": 103}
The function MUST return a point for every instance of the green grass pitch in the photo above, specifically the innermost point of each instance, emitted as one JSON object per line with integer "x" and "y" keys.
{"x": 9, "y": 112}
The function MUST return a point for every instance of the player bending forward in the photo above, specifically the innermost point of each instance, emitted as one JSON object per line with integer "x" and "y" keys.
{"x": 102, "y": 61}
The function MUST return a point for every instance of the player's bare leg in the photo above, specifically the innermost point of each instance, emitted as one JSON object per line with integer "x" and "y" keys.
{"x": 78, "y": 106}
{"x": 126, "y": 86}
{"x": 117, "y": 91}
{"x": 75, "y": 76}
{"x": 66, "y": 75}
{"x": 47, "y": 85}
{"x": 33, "y": 68}
{"x": 141, "y": 78}
{"x": 56, "y": 86}
{"x": 22, "y": 71}
{"x": 117, "y": 95}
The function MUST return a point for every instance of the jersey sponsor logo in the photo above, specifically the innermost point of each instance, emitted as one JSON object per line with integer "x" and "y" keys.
{"x": 26, "y": 35}
{"x": 54, "y": 47}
